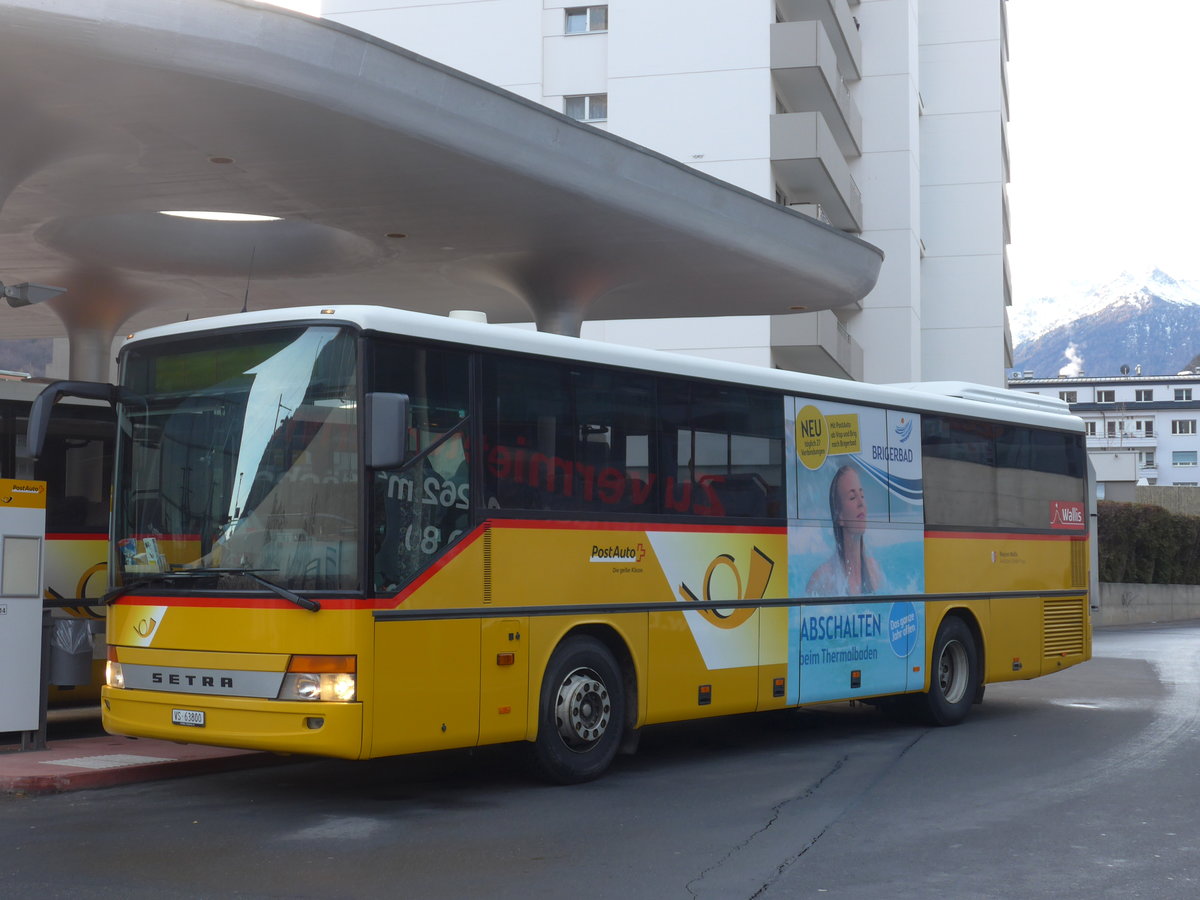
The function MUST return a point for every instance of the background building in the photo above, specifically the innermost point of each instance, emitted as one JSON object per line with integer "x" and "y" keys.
{"x": 1140, "y": 429}
{"x": 884, "y": 118}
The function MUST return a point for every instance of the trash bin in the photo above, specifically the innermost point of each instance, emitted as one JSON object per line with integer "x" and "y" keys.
{"x": 70, "y": 652}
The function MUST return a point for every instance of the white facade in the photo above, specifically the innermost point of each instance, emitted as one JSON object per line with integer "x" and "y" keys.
{"x": 1140, "y": 429}
{"x": 886, "y": 118}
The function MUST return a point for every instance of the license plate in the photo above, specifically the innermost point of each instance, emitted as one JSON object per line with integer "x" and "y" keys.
{"x": 192, "y": 717}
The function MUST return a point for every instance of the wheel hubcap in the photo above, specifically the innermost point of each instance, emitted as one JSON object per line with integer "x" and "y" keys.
{"x": 582, "y": 709}
{"x": 953, "y": 669}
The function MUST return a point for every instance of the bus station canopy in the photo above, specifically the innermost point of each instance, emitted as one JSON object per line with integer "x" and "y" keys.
{"x": 395, "y": 181}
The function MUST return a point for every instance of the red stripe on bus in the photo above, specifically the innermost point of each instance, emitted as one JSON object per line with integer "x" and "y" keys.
{"x": 437, "y": 566}
{"x": 646, "y": 527}
{"x": 553, "y": 525}
{"x": 339, "y": 603}
{"x": 70, "y": 536}
{"x": 441, "y": 563}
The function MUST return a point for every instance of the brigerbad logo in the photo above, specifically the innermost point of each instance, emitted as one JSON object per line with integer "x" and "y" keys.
{"x": 904, "y": 429}
{"x": 617, "y": 553}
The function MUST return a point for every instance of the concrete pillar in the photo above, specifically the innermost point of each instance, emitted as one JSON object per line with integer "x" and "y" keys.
{"x": 96, "y": 304}
{"x": 559, "y": 294}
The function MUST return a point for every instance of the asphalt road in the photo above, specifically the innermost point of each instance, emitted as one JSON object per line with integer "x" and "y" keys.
{"x": 1083, "y": 784}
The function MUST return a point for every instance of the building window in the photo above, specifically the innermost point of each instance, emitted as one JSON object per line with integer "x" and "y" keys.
{"x": 1145, "y": 428}
{"x": 1147, "y": 459}
{"x": 1112, "y": 428}
{"x": 1183, "y": 426}
{"x": 1185, "y": 484}
{"x": 1183, "y": 457}
{"x": 1106, "y": 396}
{"x": 1145, "y": 396}
{"x": 1069, "y": 396}
{"x": 1183, "y": 395}
{"x": 1090, "y": 428}
{"x": 587, "y": 107}
{"x": 582, "y": 19}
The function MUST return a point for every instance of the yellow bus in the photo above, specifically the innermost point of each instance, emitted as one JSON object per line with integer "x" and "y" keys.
{"x": 359, "y": 532}
{"x": 76, "y": 464}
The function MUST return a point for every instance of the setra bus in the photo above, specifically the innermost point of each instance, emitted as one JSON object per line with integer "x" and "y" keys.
{"x": 360, "y": 532}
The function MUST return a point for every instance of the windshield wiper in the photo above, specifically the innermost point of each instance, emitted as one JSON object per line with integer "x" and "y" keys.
{"x": 166, "y": 578}
{"x": 277, "y": 589}
{"x": 290, "y": 596}
{"x": 111, "y": 597}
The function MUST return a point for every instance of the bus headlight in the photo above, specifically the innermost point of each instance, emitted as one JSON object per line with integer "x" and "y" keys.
{"x": 326, "y": 678}
{"x": 114, "y": 677}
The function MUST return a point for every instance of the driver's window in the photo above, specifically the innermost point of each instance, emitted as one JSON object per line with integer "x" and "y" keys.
{"x": 422, "y": 507}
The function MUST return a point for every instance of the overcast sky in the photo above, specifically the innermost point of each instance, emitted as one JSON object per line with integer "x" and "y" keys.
{"x": 1105, "y": 162}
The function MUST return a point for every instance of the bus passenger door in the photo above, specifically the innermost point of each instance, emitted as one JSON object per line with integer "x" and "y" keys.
{"x": 503, "y": 680}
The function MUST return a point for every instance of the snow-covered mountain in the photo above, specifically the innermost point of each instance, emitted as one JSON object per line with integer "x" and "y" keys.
{"x": 1034, "y": 318}
{"x": 1144, "y": 319}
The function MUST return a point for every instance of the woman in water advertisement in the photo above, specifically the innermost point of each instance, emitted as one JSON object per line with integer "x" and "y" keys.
{"x": 855, "y": 529}
{"x": 855, "y": 516}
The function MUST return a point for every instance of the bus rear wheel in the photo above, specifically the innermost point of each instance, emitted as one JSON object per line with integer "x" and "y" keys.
{"x": 582, "y": 712}
{"x": 954, "y": 676}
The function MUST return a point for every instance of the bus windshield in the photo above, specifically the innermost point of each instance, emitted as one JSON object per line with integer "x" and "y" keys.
{"x": 243, "y": 458}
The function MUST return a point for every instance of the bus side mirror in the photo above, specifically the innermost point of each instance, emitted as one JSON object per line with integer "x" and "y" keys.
{"x": 43, "y": 405}
{"x": 387, "y": 430}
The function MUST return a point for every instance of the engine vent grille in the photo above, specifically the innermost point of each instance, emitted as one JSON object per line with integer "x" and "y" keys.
{"x": 1064, "y": 628}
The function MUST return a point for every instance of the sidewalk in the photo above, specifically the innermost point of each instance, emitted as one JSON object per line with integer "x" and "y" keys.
{"x": 101, "y": 760}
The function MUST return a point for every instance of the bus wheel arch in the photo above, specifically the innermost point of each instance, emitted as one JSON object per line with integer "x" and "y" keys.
{"x": 955, "y": 670}
{"x": 584, "y": 706}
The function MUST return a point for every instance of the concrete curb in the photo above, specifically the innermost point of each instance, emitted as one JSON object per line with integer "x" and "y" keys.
{"x": 107, "y": 761}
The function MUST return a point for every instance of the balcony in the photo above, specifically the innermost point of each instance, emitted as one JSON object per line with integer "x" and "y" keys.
{"x": 809, "y": 166}
{"x": 839, "y": 26}
{"x": 816, "y": 343}
{"x": 1124, "y": 439}
{"x": 804, "y": 67}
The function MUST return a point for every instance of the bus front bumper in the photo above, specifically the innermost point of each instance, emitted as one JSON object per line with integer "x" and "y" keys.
{"x": 279, "y": 726}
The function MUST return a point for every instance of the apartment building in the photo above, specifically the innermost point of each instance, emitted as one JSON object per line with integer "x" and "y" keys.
{"x": 883, "y": 118}
{"x": 1141, "y": 429}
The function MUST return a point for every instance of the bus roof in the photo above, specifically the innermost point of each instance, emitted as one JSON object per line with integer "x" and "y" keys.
{"x": 954, "y": 398}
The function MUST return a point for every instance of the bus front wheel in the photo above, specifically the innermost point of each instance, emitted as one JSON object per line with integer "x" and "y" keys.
{"x": 954, "y": 676}
{"x": 582, "y": 713}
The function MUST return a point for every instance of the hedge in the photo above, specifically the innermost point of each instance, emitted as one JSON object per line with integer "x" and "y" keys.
{"x": 1144, "y": 544}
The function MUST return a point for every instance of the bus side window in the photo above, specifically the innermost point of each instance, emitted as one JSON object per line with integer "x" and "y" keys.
{"x": 614, "y": 421}
{"x": 528, "y": 448}
{"x": 424, "y": 506}
{"x": 723, "y": 454}
{"x": 567, "y": 437}
{"x": 996, "y": 475}
{"x": 76, "y": 465}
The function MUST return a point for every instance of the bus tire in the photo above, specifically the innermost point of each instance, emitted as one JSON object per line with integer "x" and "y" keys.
{"x": 582, "y": 712}
{"x": 954, "y": 676}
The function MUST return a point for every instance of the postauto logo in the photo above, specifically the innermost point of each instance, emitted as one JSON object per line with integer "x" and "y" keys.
{"x": 618, "y": 553}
